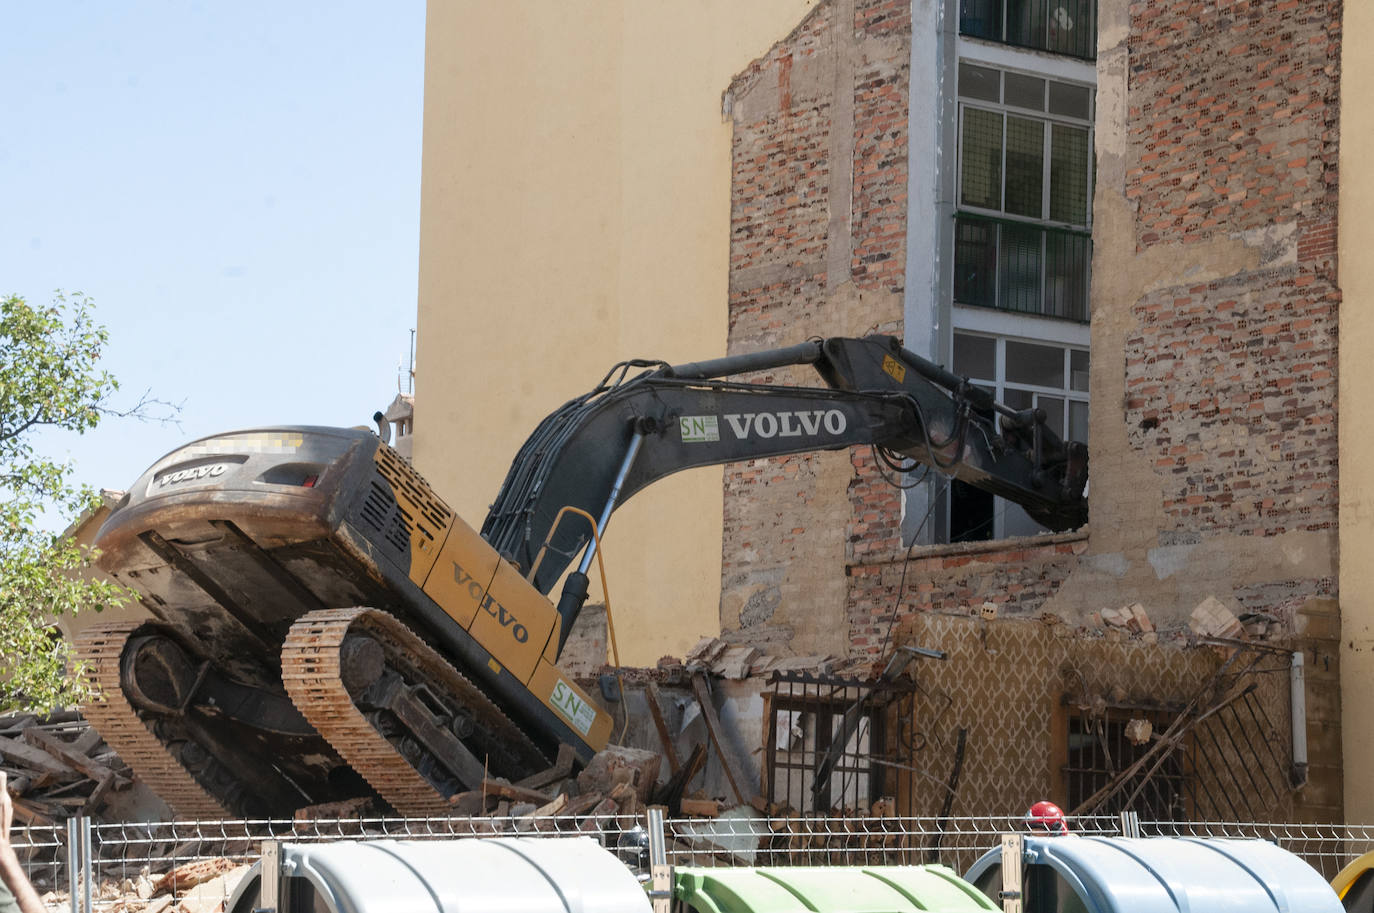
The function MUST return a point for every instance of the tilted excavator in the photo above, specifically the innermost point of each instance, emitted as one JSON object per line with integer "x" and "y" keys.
{"x": 325, "y": 627}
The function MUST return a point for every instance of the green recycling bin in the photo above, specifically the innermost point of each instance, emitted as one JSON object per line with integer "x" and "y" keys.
{"x": 828, "y": 889}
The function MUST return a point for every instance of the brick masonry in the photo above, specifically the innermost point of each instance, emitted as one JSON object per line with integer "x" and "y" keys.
{"x": 1214, "y": 336}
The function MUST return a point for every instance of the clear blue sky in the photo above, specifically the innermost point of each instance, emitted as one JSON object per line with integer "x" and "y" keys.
{"x": 237, "y": 187}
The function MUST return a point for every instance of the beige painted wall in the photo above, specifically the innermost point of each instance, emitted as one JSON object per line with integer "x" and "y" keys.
{"x": 1356, "y": 381}
{"x": 575, "y": 211}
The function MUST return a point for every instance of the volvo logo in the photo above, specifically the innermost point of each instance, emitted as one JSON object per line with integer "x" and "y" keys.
{"x": 488, "y": 604}
{"x": 208, "y": 471}
{"x": 787, "y": 424}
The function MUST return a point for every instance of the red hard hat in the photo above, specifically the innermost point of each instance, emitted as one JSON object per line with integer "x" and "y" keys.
{"x": 1047, "y": 817}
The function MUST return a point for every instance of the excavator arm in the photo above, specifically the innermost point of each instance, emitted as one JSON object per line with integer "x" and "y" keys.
{"x": 601, "y": 448}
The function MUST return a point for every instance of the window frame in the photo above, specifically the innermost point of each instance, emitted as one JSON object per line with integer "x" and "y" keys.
{"x": 1004, "y": 40}
{"x": 1068, "y": 343}
{"x": 1046, "y": 120}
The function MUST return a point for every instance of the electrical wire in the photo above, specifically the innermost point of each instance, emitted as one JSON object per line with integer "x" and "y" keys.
{"x": 906, "y": 562}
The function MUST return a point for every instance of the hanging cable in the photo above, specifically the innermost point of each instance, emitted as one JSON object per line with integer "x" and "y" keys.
{"x": 906, "y": 561}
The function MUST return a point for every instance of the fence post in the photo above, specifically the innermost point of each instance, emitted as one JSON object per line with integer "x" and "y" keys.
{"x": 269, "y": 878}
{"x": 87, "y": 863}
{"x": 73, "y": 860}
{"x": 1130, "y": 824}
{"x": 660, "y": 872}
{"x": 1012, "y": 850}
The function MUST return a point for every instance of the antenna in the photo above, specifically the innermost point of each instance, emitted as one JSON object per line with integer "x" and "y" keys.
{"x": 411, "y": 373}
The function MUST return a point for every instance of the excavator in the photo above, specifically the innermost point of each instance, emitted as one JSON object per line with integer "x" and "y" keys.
{"x": 324, "y": 627}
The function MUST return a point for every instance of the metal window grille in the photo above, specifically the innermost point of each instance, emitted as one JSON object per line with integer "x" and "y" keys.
{"x": 836, "y": 742}
{"x": 1059, "y": 26}
{"x": 1021, "y": 267}
{"x": 1100, "y": 746}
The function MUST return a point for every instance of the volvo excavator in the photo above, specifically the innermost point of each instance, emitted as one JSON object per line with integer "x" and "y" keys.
{"x": 324, "y": 627}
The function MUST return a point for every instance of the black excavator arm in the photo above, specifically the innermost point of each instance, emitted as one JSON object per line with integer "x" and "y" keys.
{"x": 600, "y": 448}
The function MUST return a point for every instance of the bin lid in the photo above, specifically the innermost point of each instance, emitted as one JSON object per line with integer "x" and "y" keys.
{"x": 827, "y": 889}
{"x": 1166, "y": 874}
{"x": 498, "y": 875}
{"x": 1355, "y": 885}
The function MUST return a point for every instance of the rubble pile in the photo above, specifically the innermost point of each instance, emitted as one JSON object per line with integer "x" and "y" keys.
{"x": 57, "y": 766}
{"x": 202, "y": 886}
{"x": 733, "y": 661}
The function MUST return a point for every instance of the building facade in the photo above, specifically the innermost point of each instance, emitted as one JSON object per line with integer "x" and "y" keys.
{"x": 1125, "y": 214}
{"x": 925, "y": 170}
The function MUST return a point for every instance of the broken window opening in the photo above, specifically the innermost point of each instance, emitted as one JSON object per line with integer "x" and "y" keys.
{"x": 1225, "y": 755}
{"x": 1103, "y": 744}
{"x": 836, "y": 744}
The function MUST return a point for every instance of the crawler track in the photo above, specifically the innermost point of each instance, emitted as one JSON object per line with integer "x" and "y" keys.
{"x": 312, "y": 675}
{"x": 100, "y": 648}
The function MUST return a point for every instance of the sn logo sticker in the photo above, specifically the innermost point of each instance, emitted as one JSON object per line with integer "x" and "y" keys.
{"x": 699, "y": 429}
{"x": 572, "y": 708}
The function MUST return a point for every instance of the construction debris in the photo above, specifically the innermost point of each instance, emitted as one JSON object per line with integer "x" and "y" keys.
{"x": 1211, "y": 618}
{"x": 724, "y": 660}
{"x": 204, "y": 886}
{"x": 57, "y": 766}
{"x": 1138, "y": 731}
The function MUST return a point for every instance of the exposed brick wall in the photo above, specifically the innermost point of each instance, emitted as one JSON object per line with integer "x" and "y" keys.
{"x": 778, "y": 216}
{"x": 1230, "y": 138}
{"x": 880, "y": 148}
{"x": 1232, "y": 114}
{"x": 1230, "y": 385}
{"x": 812, "y": 211}
{"x": 780, "y": 169}
{"x": 1231, "y": 393}
{"x": 1017, "y": 579}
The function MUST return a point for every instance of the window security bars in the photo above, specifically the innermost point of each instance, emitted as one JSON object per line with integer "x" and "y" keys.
{"x": 836, "y": 742}
{"x": 1058, "y": 26}
{"x": 1015, "y": 266}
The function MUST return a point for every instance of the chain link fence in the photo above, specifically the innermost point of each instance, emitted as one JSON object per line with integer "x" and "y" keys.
{"x": 122, "y": 855}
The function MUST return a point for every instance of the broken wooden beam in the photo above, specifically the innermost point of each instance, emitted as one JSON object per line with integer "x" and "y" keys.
{"x": 708, "y": 713}
{"x": 65, "y": 753}
{"x": 656, "y": 712}
{"x": 37, "y": 759}
{"x": 516, "y": 793}
{"x": 561, "y": 770}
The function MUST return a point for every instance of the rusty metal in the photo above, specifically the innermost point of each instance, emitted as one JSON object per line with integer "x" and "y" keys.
{"x": 312, "y": 674}
{"x": 101, "y": 647}
{"x": 1189, "y": 771}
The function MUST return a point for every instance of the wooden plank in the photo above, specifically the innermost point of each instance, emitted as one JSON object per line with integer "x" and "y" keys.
{"x": 29, "y": 814}
{"x": 562, "y": 769}
{"x": 552, "y": 808}
{"x": 60, "y": 749}
{"x": 671, "y": 792}
{"x": 770, "y": 746}
{"x": 468, "y": 803}
{"x": 656, "y": 711}
{"x": 517, "y": 793}
{"x": 708, "y": 713}
{"x": 701, "y": 808}
{"x": 86, "y": 742}
{"x": 36, "y": 758}
{"x": 583, "y": 804}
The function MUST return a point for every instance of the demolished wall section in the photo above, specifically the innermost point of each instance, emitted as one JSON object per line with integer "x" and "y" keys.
{"x": 818, "y": 210}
